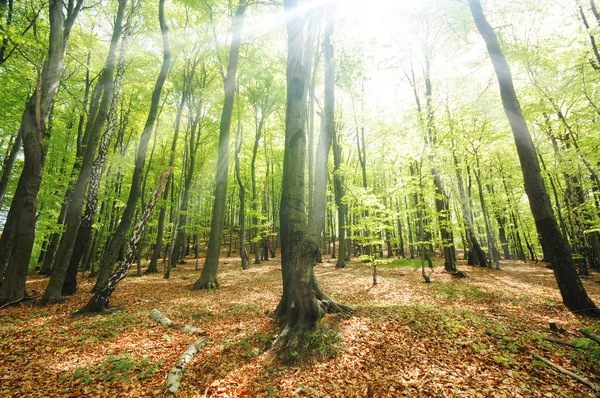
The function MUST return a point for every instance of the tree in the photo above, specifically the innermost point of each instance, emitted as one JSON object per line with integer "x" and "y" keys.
{"x": 73, "y": 216}
{"x": 303, "y": 302}
{"x": 208, "y": 278}
{"x": 573, "y": 293}
{"x": 18, "y": 234}
{"x": 118, "y": 239}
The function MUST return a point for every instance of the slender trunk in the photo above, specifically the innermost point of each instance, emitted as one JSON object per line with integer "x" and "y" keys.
{"x": 242, "y": 194}
{"x": 98, "y": 303}
{"x": 7, "y": 166}
{"x": 118, "y": 239}
{"x": 53, "y": 292}
{"x": 572, "y": 290}
{"x": 208, "y": 278}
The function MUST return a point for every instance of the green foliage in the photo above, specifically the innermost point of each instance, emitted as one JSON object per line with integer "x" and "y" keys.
{"x": 97, "y": 329}
{"x": 116, "y": 369}
{"x": 321, "y": 343}
{"x": 459, "y": 290}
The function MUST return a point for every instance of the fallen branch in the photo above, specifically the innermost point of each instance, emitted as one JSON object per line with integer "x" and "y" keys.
{"x": 159, "y": 317}
{"x": 19, "y": 301}
{"x": 561, "y": 342}
{"x": 176, "y": 373}
{"x": 564, "y": 371}
{"x": 590, "y": 335}
{"x": 554, "y": 366}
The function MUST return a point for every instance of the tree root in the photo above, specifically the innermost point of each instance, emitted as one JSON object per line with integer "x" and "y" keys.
{"x": 95, "y": 310}
{"x": 210, "y": 285}
{"x": 590, "y": 335}
{"x": 26, "y": 298}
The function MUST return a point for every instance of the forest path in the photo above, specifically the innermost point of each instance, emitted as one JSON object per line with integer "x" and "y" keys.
{"x": 453, "y": 337}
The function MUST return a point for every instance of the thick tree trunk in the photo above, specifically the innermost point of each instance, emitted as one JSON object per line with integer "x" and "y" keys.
{"x": 303, "y": 303}
{"x": 118, "y": 239}
{"x": 573, "y": 293}
{"x": 208, "y": 278}
{"x": 18, "y": 235}
{"x": 53, "y": 292}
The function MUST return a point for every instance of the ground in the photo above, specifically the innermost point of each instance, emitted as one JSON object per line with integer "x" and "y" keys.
{"x": 453, "y": 337}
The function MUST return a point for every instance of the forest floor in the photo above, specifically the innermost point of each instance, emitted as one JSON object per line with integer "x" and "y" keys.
{"x": 406, "y": 338}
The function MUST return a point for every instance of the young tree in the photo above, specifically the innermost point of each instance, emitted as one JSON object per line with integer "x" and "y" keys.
{"x": 73, "y": 216}
{"x": 118, "y": 239}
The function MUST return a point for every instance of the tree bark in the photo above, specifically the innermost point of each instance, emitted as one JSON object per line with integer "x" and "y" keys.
{"x": 98, "y": 303}
{"x": 242, "y": 194}
{"x": 303, "y": 302}
{"x": 84, "y": 232}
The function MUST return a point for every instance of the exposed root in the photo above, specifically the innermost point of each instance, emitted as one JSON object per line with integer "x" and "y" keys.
{"x": 458, "y": 274}
{"x": 95, "y": 310}
{"x": 210, "y": 285}
{"x": 18, "y": 301}
{"x": 593, "y": 312}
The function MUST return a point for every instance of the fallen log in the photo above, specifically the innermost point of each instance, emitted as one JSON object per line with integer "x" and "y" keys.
{"x": 176, "y": 373}
{"x": 159, "y": 317}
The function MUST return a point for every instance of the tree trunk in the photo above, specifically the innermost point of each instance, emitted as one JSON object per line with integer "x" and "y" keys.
{"x": 338, "y": 185}
{"x": 303, "y": 302}
{"x": 208, "y": 278}
{"x": 242, "y": 194}
{"x": 84, "y": 232}
{"x": 7, "y": 166}
{"x": 98, "y": 303}
{"x": 73, "y": 216}
{"x": 573, "y": 293}
{"x": 153, "y": 267}
{"x": 118, "y": 239}
{"x": 18, "y": 235}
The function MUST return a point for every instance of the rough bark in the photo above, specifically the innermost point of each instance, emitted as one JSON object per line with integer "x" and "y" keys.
{"x": 84, "y": 232}
{"x": 98, "y": 303}
{"x": 573, "y": 293}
